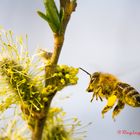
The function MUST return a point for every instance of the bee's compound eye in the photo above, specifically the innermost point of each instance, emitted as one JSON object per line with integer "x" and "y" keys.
{"x": 92, "y": 79}
{"x": 94, "y": 76}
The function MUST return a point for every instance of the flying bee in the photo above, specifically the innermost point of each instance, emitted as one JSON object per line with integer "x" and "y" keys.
{"x": 104, "y": 85}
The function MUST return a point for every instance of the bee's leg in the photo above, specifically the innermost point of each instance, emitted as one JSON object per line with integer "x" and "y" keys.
{"x": 92, "y": 97}
{"x": 120, "y": 105}
{"x": 96, "y": 93}
{"x": 100, "y": 98}
{"x": 111, "y": 101}
{"x": 96, "y": 96}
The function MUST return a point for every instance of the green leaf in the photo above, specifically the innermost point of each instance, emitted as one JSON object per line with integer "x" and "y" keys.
{"x": 74, "y": 1}
{"x": 51, "y": 3}
{"x": 42, "y": 15}
{"x": 61, "y": 15}
{"x": 52, "y": 15}
{"x": 46, "y": 18}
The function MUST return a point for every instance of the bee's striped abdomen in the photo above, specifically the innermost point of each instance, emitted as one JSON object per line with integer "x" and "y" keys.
{"x": 129, "y": 94}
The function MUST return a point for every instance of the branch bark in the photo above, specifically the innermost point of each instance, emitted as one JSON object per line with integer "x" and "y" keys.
{"x": 37, "y": 132}
{"x": 69, "y": 7}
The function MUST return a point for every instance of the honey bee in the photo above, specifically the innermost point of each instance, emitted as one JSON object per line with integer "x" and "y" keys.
{"x": 105, "y": 85}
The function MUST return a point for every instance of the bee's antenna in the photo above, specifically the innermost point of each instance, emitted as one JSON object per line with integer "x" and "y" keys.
{"x": 85, "y": 71}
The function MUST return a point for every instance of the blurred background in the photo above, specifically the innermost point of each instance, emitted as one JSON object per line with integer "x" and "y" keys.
{"x": 101, "y": 36}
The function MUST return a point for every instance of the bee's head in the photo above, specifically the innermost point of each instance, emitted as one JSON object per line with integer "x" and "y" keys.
{"x": 93, "y": 81}
{"x": 94, "y": 78}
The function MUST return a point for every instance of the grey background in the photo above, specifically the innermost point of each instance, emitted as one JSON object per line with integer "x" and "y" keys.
{"x": 103, "y": 35}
